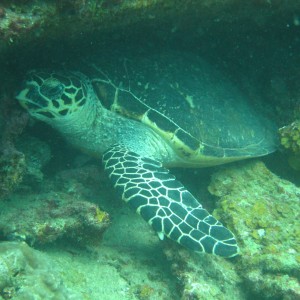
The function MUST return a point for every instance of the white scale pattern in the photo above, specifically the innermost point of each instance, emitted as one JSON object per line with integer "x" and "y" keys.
{"x": 165, "y": 204}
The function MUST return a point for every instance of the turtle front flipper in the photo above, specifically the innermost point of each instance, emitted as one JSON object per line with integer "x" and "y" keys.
{"x": 165, "y": 204}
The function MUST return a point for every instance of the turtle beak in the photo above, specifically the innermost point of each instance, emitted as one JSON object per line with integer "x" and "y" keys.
{"x": 29, "y": 97}
{"x": 21, "y": 97}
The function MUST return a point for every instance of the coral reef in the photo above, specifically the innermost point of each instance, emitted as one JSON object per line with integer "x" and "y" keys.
{"x": 290, "y": 137}
{"x": 45, "y": 218}
{"x": 26, "y": 22}
{"x": 12, "y": 161}
{"x": 204, "y": 276}
{"x": 26, "y": 273}
{"x": 15, "y": 122}
{"x": 263, "y": 211}
{"x": 12, "y": 169}
{"x": 37, "y": 154}
{"x": 135, "y": 252}
{"x": 250, "y": 41}
{"x": 85, "y": 180}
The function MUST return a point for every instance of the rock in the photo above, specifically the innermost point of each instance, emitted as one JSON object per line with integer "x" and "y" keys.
{"x": 45, "y": 218}
{"x": 205, "y": 276}
{"x": 26, "y": 273}
{"x": 25, "y": 23}
{"x": 263, "y": 211}
{"x": 37, "y": 155}
{"x": 290, "y": 139}
{"x": 12, "y": 170}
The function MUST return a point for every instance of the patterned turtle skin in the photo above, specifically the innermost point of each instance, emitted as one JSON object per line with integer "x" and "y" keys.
{"x": 148, "y": 113}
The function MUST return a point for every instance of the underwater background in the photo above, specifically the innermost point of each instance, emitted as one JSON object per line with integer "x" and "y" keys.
{"x": 64, "y": 233}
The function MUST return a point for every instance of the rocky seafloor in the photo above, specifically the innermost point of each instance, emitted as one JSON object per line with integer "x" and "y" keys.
{"x": 64, "y": 234}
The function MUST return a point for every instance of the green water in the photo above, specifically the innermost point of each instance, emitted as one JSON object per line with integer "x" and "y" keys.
{"x": 65, "y": 233}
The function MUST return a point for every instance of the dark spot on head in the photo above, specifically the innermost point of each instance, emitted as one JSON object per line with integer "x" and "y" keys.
{"x": 34, "y": 95}
{"x": 63, "y": 79}
{"x": 84, "y": 90}
{"x": 38, "y": 79}
{"x": 31, "y": 105}
{"x": 76, "y": 82}
{"x": 63, "y": 112}
{"x": 71, "y": 90}
{"x": 33, "y": 92}
{"x": 79, "y": 95}
{"x": 52, "y": 89}
{"x": 66, "y": 99}
{"x": 46, "y": 114}
{"x": 55, "y": 103}
{"x": 81, "y": 103}
{"x": 42, "y": 76}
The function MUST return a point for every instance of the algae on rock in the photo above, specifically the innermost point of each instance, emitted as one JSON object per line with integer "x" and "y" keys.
{"x": 45, "y": 218}
{"x": 263, "y": 211}
{"x": 37, "y": 154}
{"x": 204, "y": 276}
{"x": 26, "y": 273}
{"x": 290, "y": 139}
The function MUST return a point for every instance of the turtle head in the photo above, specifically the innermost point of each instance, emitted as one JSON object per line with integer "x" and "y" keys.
{"x": 54, "y": 95}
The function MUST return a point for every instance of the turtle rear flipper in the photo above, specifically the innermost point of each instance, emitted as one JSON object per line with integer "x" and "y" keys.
{"x": 165, "y": 204}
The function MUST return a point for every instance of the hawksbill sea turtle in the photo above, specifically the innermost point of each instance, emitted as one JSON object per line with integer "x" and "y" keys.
{"x": 148, "y": 113}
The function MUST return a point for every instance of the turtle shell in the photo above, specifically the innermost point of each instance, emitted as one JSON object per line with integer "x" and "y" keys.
{"x": 189, "y": 103}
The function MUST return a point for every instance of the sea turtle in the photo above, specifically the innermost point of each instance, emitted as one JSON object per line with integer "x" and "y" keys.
{"x": 144, "y": 114}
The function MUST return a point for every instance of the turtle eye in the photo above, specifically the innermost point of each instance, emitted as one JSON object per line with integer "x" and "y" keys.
{"x": 52, "y": 88}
